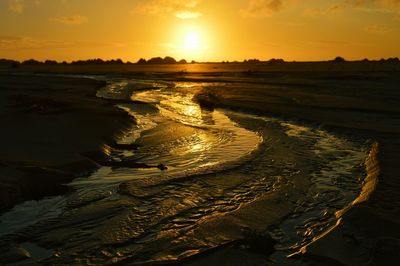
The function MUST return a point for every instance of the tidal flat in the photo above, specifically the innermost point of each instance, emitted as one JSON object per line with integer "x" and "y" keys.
{"x": 200, "y": 164}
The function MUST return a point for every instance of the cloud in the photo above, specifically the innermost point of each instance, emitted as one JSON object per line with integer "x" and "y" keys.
{"x": 16, "y": 6}
{"x": 393, "y": 5}
{"x": 184, "y": 14}
{"x": 381, "y": 2}
{"x": 183, "y": 9}
{"x": 330, "y": 10}
{"x": 28, "y": 43}
{"x": 376, "y": 6}
{"x": 20, "y": 43}
{"x": 70, "y": 20}
{"x": 262, "y": 8}
{"x": 380, "y": 29}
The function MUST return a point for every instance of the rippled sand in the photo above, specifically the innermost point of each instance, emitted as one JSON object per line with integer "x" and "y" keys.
{"x": 231, "y": 176}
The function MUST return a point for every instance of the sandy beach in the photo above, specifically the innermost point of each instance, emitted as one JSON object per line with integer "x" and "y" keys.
{"x": 51, "y": 123}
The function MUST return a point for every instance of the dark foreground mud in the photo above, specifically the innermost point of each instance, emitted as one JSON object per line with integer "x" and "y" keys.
{"x": 47, "y": 123}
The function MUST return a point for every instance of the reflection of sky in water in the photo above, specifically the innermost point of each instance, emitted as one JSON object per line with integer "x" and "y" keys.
{"x": 214, "y": 139}
{"x": 201, "y": 143}
{"x": 180, "y": 135}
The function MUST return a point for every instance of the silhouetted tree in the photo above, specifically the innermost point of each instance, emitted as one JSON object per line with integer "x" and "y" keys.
{"x": 31, "y": 62}
{"x": 50, "y": 62}
{"x": 159, "y": 60}
{"x": 141, "y": 61}
{"x": 274, "y": 61}
{"x": 251, "y": 61}
{"x": 169, "y": 60}
{"x": 155, "y": 60}
{"x": 10, "y": 63}
{"x": 339, "y": 59}
{"x": 393, "y": 60}
{"x": 182, "y": 61}
{"x": 97, "y": 61}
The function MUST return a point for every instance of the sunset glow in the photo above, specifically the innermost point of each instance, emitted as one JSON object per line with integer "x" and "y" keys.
{"x": 201, "y": 30}
{"x": 192, "y": 41}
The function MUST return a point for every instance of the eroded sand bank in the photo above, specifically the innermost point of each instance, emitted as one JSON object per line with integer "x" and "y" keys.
{"x": 47, "y": 124}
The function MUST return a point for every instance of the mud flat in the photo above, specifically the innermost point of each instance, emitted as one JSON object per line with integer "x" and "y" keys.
{"x": 355, "y": 103}
{"x": 47, "y": 124}
{"x": 221, "y": 216}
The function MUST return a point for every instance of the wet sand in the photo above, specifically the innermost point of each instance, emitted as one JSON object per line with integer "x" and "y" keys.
{"x": 354, "y": 103}
{"x": 358, "y": 104}
{"x": 48, "y": 124}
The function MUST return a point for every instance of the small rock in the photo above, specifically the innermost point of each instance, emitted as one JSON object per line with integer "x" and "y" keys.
{"x": 162, "y": 167}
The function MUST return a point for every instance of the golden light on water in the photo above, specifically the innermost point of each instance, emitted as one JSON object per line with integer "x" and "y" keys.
{"x": 192, "y": 111}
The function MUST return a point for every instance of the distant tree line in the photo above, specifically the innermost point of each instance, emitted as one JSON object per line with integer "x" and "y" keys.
{"x": 165, "y": 60}
{"x": 340, "y": 59}
{"x": 97, "y": 61}
{"x": 159, "y": 60}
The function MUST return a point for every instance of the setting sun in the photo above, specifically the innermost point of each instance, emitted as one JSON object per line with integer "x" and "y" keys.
{"x": 192, "y": 41}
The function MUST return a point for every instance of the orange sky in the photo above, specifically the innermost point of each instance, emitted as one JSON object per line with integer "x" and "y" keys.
{"x": 202, "y": 30}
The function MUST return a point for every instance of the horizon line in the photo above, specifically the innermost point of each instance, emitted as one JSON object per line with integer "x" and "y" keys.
{"x": 171, "y": 60}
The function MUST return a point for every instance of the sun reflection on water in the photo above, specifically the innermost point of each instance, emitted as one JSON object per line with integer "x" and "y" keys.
{"x": 193, "y": 111}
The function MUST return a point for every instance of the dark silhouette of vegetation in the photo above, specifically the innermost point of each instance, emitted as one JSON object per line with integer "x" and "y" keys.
{"x": 160, "y": 61}
{"x": 339, "y": 59}
{"x": 7, "y": 61}
{"x": 251, "y": 61}
{"x": 10, "y": 63}
{"x": 31, "y": 62}
{"x": 393, "y": 60}
{"x": 275, "y": 61}
{"x": 168, "y": 60}
{"x": 155, "y": 60}
{"x": 98, "y": 61}
{"x": 50, "y": 62}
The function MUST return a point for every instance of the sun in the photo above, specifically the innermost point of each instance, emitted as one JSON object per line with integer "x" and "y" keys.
{"x": 191, "y": 41}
